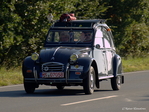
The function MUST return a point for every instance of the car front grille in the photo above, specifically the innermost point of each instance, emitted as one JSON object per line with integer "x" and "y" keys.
{"x": 52, "y": 67}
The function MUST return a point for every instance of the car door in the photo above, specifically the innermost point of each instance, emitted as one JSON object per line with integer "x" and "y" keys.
{"x": 100, "y": 53}
{"x": 109, "y": 48}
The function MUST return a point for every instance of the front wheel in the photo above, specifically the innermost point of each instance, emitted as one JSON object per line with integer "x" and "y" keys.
{"x": 116, "y": 83}
{"x": 29, "y": 87}
{"x": 89, "y": 82}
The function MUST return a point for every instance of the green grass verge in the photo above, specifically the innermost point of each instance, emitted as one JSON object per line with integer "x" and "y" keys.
{"x": 10, "y": 77}
{"x": 14, "y": 76}
{"x": 135, "y": 64}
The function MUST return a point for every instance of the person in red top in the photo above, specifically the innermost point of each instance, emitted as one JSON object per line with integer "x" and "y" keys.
{"x": 67, "y": 17}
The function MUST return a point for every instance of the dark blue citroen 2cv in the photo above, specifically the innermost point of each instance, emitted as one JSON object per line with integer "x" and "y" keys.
{"x": 75, "y": 53}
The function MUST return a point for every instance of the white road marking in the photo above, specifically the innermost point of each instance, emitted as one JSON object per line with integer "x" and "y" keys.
{"x": 128, "y": 100}
{"x": 84, "y": 101}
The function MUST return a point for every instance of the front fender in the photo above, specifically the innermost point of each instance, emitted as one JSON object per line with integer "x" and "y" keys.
{"x": 28, "y": 64}
{"x": 117, "y": 65}
{"x": 86, "y": 63}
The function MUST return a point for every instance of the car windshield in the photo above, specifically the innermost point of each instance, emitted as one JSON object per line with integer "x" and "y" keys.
{"x": 66, "y": 36}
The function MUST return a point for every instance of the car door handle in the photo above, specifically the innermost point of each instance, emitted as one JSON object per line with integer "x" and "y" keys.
{"x": 103, "y": 51}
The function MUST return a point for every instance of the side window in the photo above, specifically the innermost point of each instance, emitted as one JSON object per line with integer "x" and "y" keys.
{"x": 53, "y": 37}
{"x": 99, "y": 38}
{"x": 56, "y": 37}
{"x": 107, "y": 39}
{"x": 49, "y": 37}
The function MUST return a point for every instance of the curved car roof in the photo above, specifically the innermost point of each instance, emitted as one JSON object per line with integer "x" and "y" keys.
{"x": 79, "y": 23}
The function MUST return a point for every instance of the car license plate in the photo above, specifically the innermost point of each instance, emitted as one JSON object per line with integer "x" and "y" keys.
{"x": 52, "y": 74}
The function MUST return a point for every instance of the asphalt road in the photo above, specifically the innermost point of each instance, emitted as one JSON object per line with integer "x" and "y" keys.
{"x": 132, "y": 97}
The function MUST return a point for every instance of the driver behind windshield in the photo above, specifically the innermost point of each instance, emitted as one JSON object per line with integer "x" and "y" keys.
{"x": 86, "y": 37}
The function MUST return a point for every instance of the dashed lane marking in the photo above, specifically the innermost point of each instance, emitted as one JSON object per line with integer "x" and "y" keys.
{"x": 85, "y": 101}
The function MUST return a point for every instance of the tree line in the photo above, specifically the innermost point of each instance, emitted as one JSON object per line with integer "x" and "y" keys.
{"x": 24, "y": 24}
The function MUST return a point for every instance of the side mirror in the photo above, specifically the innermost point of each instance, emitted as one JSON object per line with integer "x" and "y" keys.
{"x": 97, "y": 46}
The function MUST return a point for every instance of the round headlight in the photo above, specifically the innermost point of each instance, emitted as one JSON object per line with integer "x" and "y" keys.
{"x": 34, "y": 56}
{"x": 73, "y": 57}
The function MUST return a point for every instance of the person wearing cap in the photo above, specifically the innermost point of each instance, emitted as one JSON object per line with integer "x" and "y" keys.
{"x": 86, "y": 37}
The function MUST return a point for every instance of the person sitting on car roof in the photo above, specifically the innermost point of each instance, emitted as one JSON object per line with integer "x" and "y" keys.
{"x": 66, "y": 17}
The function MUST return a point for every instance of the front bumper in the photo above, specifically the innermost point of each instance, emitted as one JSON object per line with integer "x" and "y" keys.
{"x": 53, "y": 81}
{"x": 70, "y": 77}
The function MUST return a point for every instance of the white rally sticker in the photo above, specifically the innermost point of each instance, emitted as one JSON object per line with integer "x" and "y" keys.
{"x": 76, "y": 68}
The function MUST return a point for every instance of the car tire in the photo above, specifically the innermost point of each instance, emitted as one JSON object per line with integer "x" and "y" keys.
{"x": 60, "y": 87}
{"x": 29, "y": 87}
{"x": 116, "y": 83}
{"x": 89, "y": 82}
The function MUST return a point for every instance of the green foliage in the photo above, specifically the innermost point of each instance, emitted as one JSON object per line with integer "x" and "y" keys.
{"x": 90, "y": 9}
{"x": 23, "y": 28}
{"x": 129, "y": 21}
{"x": 24, "y": 25}
{"x": 10, "y": 26}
